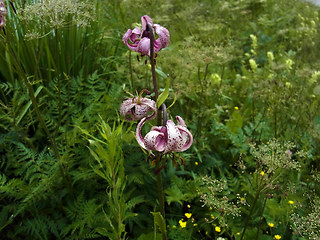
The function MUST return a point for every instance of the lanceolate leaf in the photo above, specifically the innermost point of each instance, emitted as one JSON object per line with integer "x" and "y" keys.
{"x": 164, "y": 95}
{"x": 159, "y": 221}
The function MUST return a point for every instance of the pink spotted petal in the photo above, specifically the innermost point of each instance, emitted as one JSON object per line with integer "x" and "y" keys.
{"x": 144, "y": 46}
{"x": 164, "y": 38}
{"x": 187, "y": 138}
{"x": 145, "y": 19}
{"x": 175, "y": 141}
{"x": 139, "y": 137}
{"x": 125, "y": 108}
{"x": 133, "y": 45}
{"x": 181, "y": 121}
{"x": 155, "y": 140}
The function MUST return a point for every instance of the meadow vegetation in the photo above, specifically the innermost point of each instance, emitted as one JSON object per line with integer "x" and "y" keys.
{"x": 245, "y": 77}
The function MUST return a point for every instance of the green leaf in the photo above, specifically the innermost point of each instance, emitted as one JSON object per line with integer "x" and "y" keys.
{"x": 164, "y": 95}
{"x": 159, "y": 221}
{"x": 27, "y": 106}
{"x": 162, "y": 74}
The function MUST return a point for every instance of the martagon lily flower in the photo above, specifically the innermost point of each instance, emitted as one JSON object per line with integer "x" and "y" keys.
{"x": 164, "y": 139}
{"x": 134, "y": 109}
{"x": 138, "y": 40}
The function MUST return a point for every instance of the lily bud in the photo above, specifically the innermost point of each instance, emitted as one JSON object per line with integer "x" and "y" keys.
{"x": 134, "y": 109}
{"x": 164, "y": 139}
{"x": 138, "y": 40}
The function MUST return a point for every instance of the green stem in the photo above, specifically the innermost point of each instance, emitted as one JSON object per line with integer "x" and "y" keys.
{"x": 250, "y": 213}
{"x": 130, "y": 69}
{"x": 261, "y": 216}
{"x": 158, "y": 158}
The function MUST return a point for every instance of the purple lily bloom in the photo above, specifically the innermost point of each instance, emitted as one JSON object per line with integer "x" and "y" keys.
{"x": 139, "y": 41}
{"x": 134, "y": 109}
{"x": 164, "y": 139}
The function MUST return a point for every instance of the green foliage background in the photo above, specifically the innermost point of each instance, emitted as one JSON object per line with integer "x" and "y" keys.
{"x": 247, "y": 81}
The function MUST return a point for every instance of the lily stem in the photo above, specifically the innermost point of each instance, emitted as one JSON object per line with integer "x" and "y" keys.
{"x": 159, "y": 120}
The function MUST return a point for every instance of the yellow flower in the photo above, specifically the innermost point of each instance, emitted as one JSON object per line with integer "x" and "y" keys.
{"x": 188, "y": 206}
{"x": 291, "y": 202}
{"x": 196, "y": 163}
{"x": 270, "y": 224}
{"x": 182, "y": 223}
{"x": 218, "y": 229}
{"x": 195, "y": 224}
{"x": 236, "y": 108}
{"x": 277, "y": 237}
{"x": 262, "y": 173}
{"x": 188, "y": 215}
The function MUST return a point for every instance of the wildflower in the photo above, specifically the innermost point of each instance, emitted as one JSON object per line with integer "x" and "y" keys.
{"x": 288, "y": 153}
{"x": 236, "y": 108}
{"x": 182, "y": 223}
{"x": 170, "y": 137}
{"x": 188, "y": 215}
{"x": 254, "y": 40}
{"x": 277, "y": 237}
{"x": 253, "y": 65}
{"x": 196, "y": 163}
{"x": 217, "y": 229}
{"x": 195, "y": 224}
{"x": 215, "y": 79}
{"x": 271, "y": 225}
{"x": 289, "y": 64}
{"x": 188, "y": 206}
{"x": 270, "y": 57}
{"x": 288, "y": 84}
{"x": 134, "y": 109}
{"x": 138, "y": 40}
{"x": 291, "y": 202}
{"x": 262, "y": 173}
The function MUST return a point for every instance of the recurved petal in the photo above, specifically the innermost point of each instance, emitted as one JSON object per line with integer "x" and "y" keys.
{"x": 144, "y": 46}
{"x": 135, "y": 35}
{"x": 164, "y": 37}
{"x": 145, "y": 19}
{"x": 181, "y": 121}
{"x": 187, "y": 138}
{"x": 132, "y": 46}
{"x": 141, "y": 111}
{"x": 139, "y": 137}
{"x": 155, "y": 140}
{"x": 175, "y": 140}
{"x": 126, "y": 106}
